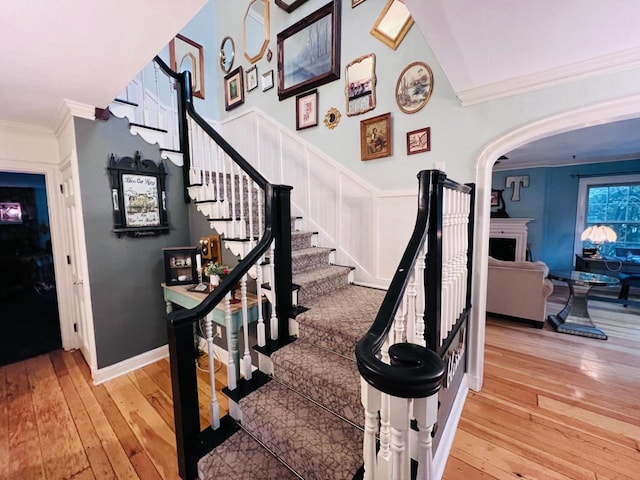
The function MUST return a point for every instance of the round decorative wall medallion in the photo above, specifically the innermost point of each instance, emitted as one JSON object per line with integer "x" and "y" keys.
{"x": 332, "y": 118}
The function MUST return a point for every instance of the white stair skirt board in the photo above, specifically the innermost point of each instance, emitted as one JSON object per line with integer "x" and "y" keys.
{"x": 174, "y": 157}
{"x": 441, "y": 455}
{"x": 150, "y": 136}
{"x": 101, "y": 375}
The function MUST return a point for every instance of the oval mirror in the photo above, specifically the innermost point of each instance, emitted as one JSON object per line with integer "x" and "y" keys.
{"x": 256, "y": 30}
{"x": 360, "y": 84}
{"x": 227, "y": 54}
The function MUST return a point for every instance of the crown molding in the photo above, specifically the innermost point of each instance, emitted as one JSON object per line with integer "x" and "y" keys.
{"x": 603, "y": 65}
{"x": 71, "y": 108}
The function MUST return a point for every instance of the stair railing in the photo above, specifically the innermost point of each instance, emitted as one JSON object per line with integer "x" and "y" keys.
{"x": 261, "y": 220}
{"x": 400, "y": 357}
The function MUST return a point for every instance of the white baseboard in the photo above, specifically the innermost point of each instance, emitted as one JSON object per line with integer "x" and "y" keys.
{"x": 101, "y": 375}
{"x": 446, "y": 441}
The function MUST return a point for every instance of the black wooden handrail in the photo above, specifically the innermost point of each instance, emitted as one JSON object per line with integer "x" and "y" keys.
{"x": 415, "y": 371}
{"x": 191, "y": 443}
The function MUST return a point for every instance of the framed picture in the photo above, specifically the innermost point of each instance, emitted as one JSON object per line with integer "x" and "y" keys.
{"x": 355, "y": 3}
{"x": 375, "y": 137}
{"x": 360, "y": 84}
{"x": 309, "y": 51}
{"x": 392, "y": 24}
{"x": 307, "y": 110}
{"x": 252, "y": 78}
{"x": 332, "y": 118}
{"x": 180, "y": 265}
{"x": 289, "y": 5}
{"x": 267, "y": 81}
{"x": 495, "y": 197}
{"x": 138, "y": 196}
{"x": 414, "y": 87}
{"x": 419, "y": 141}
{"x": 185, "y": 54}
{"x": 10, "y": 212}
{"x": 233, "y": 89}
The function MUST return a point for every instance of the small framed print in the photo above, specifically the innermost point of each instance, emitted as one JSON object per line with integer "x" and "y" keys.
{"x": 355, "y": 3}
{"x": 375, "y": 137}
{"x": 419, "y": 141}
{"x": 233, "y": 89}
{"x": 267, "y": 81}
{"x": 307, "y": 110}
{"x": 252, "y": 78}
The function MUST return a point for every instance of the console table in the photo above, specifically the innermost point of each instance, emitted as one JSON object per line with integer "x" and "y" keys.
{"x": 574, "y": 317}
{"x": 180, "y": 295}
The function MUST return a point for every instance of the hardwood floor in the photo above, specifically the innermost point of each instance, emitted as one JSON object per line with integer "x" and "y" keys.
{"x": 54, "y": 424}
{"x": 553, "y": 406}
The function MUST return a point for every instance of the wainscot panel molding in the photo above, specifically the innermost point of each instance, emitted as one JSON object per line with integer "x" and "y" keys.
{"x": 368, "y": 227}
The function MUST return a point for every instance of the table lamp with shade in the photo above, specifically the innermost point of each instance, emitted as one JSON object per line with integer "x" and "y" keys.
{"x": 598, "y": 234}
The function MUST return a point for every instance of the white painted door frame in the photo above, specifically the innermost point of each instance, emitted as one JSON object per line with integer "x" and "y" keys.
{"x": 604, "y": 112}
{"x": 56, "y": 219}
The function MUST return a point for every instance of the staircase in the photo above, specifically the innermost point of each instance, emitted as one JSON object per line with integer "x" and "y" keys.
{"x": 344, "y": 370}
{"x": 307, "y": 420}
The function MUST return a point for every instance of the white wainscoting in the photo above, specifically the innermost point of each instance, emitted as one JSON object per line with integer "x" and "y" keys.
{"x": 369, "y": 227}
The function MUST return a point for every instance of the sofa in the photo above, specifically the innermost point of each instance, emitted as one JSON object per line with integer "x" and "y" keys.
{"x": 518, "y": 290}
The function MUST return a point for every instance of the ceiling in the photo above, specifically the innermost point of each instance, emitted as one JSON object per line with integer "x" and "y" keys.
{"x": 88, "y": 51}
{"x": 84, "y": 51}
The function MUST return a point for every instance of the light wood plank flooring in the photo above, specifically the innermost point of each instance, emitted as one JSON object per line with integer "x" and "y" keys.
{"x": 553, "y": 406}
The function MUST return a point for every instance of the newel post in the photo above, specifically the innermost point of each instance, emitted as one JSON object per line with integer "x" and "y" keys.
{"x": 281, "y": 221}
{"x": 185, "y": 398}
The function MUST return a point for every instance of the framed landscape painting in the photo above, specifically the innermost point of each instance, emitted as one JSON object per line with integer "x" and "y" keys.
{"x": 309, "y": 51}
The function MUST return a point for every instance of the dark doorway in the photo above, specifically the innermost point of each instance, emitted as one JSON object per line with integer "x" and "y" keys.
{"x": 28, "y": 302}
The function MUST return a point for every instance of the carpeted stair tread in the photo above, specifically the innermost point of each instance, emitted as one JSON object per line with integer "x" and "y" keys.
{"x": 300, "y": 239}
{"x": 337, "y": 320}
{"x": 303, "y": 366}
{"x": 241, "y": 457}
{"x": 315, "y": 443}
{"x": 309, "y": 258}
{"x": 320, "y": 281}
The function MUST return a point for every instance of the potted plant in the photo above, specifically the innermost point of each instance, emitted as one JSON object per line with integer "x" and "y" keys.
{"x": 215, "y": 271}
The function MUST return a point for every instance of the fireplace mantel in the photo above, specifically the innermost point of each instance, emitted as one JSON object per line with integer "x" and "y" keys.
{"x": 515, "y": 228}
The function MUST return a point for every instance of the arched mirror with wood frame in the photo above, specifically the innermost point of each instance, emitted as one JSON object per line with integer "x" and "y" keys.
{"x": 256, "y": 30}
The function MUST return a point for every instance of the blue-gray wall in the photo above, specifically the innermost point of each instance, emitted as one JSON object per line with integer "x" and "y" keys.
{"x": 124, "y": 273}
{"x": 551, "y": 200}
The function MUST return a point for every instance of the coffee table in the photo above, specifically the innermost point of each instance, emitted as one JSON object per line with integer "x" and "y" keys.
{"x": 574, "y": 318}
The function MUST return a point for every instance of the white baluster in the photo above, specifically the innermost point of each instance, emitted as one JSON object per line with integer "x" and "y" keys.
{"x": 232, "y": 171}
{"x": 214, "y": 406}
{"x": 272, "y": 284}
{"x": 156, "y": 75}
{"x": 145, "y": 111}
{"x": 399, "y": 416}
{"x": 242, "y": 222}
{"x": 246, "y": 359}
{"x": 370, "y": 398}
{"x": 384, "y": 468}
{"x": 225, "y": 182}
{"x": 420, "y": 299}
{"x": 425, "y": 411}
{"x": 411, "y": 308}
{"x": 175, "y": 144}
{"x": 231, "y": 364}
{"x": 261, "y": 328}
{"x": 250, "y": 213}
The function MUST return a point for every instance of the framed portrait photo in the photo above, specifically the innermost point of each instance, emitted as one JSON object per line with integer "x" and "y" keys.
{"x": 252, "y": 78}
{"x": 233, "y": 89}
{"x": 307, "y": 110}
{"x": 309, "y": 51}
{"x": 419, "y": 141}
{"x": 375, "y": 137}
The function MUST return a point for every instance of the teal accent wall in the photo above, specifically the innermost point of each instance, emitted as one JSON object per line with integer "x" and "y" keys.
{"x": 551, "y": 200}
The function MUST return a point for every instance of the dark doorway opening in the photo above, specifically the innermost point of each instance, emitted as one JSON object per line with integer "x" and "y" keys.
{"x": 28, "y": 301}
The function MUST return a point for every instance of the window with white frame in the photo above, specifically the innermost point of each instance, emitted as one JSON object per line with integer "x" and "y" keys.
{"x": 613, "y": 201}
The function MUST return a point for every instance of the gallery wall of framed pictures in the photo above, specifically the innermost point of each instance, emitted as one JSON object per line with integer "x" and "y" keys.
{"x": 364, "y": 91}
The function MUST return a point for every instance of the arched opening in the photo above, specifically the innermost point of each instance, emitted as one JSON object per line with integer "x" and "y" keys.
{"x": 601, "y": 113}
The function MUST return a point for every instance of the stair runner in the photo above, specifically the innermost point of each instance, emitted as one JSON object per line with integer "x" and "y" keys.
{"x": 306, "y": 422}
